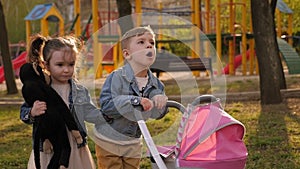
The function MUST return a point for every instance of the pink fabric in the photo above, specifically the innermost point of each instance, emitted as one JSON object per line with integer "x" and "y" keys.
{"x": 180, "y": 130}
{"x": 239, "y": 163}
{"x": 223, "y": 144}
{"x": 211, "y": 137}
{"x": 191, "y": 135}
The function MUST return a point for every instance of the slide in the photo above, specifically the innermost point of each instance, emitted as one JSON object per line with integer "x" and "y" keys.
{"x": 290, "y": 56}
{"x": 17, "y": 63}
{"x": 237, "y": 62}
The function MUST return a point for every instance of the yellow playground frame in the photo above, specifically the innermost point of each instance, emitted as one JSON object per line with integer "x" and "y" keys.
{"x": 46, "y": 12}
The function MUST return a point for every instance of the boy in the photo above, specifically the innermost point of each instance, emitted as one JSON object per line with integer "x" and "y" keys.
{"x": 133, "y": 86}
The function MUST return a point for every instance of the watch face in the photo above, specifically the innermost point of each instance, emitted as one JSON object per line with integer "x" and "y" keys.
{"x": 136, "y": 101}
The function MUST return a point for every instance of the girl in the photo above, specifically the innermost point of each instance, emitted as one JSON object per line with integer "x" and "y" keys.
{"x": 59, "y": 60}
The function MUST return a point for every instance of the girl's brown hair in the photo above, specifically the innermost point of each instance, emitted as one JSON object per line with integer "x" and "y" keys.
{"x": 35, "y": 49}
{"x": 41, "y": 47}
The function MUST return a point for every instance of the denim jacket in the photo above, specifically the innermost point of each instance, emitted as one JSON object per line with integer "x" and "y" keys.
{"x": 118, "y": 91}
{"x": 81, "y": 106}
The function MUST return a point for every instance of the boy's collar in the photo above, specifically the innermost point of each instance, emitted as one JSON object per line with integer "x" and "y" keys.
{"x": 128, "y": 74}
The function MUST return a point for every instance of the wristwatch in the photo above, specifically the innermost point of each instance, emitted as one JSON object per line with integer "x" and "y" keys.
{"x": 135, "y": 101}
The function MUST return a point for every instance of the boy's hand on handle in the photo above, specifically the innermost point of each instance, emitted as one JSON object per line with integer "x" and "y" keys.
{"x": 147, "y": 104}
{"x": 38, "y": 108}
{"x": 160, "y": 101}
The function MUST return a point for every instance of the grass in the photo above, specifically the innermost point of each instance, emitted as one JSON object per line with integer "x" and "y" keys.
{"x": 272, "y": 133}
{"x": 15, "y": 139}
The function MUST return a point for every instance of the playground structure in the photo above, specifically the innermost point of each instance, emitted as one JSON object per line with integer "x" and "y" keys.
{"x": 239, "y": 31}
{"x": 106, "y": 47}
{"x": 281, "y": 9}
{"x": 45, "y": 13}
{"x": 17, "y": 63}
{"x": 234, "y": 23}
{"x": 106, "y": 40}
{"x": 229, "y": 23}
{"x": 217, "y": 27}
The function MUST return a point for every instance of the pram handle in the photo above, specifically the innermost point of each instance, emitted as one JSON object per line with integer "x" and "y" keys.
{"x": 174, "y": 104}
{"x": 204, "y": 99}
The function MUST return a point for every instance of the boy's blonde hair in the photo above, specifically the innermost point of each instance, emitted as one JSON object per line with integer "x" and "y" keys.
{"x": 137, "y": 31}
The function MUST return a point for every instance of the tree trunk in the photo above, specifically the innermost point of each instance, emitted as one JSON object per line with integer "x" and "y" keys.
{"x": 7, "y": 64}
{"x": 270, "y": 68}
{"x": 125, "y": 19}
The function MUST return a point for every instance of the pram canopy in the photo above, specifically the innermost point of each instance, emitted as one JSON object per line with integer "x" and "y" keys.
{"x": 208, "y": 137}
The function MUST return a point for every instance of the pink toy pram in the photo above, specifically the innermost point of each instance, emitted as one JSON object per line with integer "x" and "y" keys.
{"x": 207, "y": 138}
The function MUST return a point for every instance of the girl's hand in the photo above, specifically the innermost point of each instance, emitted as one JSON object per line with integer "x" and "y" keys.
{"x": 160, "y": 101}
{"x": 38, "y": 108}
{"x": 47, "y": 146}
{"x": 147, "y": 104}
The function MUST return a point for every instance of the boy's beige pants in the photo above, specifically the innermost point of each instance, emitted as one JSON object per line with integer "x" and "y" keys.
{"x": 114, "y": 156}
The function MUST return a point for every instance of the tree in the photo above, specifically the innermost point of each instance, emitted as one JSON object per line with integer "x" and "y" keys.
{"x": 125, "y": 20}
{"x": 7, "y": 64}
{"x": 270, "y": 68}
